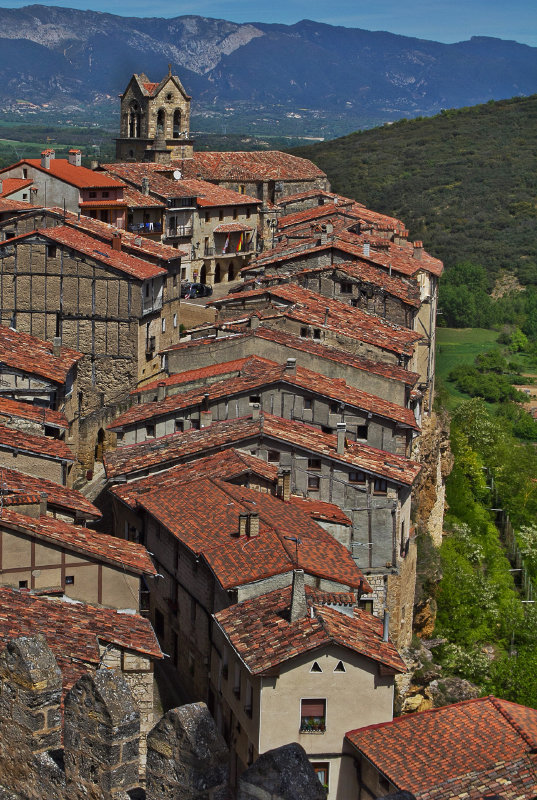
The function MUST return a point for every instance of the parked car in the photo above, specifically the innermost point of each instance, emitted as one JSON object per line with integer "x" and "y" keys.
{"x": 196, "y": 290}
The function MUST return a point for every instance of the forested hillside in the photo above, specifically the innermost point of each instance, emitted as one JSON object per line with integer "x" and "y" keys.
{"x": 464, "y": 181}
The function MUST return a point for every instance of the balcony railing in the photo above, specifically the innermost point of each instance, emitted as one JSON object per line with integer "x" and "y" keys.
{"x": 312, "y": 725}
{"x": 145, "y": 227}
{"x": 179, "y": 230}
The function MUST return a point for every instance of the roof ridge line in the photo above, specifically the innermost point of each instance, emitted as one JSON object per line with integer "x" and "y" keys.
{"x": 496, "y": 702}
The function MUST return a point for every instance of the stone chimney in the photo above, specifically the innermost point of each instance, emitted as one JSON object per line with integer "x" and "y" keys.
{"x": 145, "y": 185}
{"x": 284, "y": 483}
{"x": 299, "y": 607}
{"x": 341, "y": 434}
{"x": 75, "y": 158}
{"x": 45, "y": 159}
{"x": 366, "y": 249}
{"x": 161, "y": 390}
{"x": 253, "y": 525}
{"x": 255, "y": 411}
{"x": 116, "y": 242}
{"x": 418, "y": 250}
{"x": 206, "y": 418}
{"x": 56, "y": 346}
{"x": 386, "y": 626}
{"x": 243, "y": 525}
{"x": 290, "y": 366}
{"x": 42, "y": 504}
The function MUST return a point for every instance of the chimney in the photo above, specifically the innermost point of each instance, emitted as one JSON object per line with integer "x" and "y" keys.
{"x": 94, "y": 164}
{"x": 255, "y": 411}
{"x": 42, "y": 504}
{"x": 1, "y": 186}
{"x": 290, "y": 365}
{"x": 418, "y": 250}
{"x": 243, "y": 525}
{"x": 326, "y": 313}
{"x": 161, "y": 390}
{"x": 116, "y": 242}
{"x": 324, "y": 237}
{"x": 253, "y": 524}
{"x": 138, "y": 241}
{"x": 284, "y": 483}
{"x": 299, "y": 607}
{"x": 341, "y": 433}
{"x": 145, "y": 186}
{"x": 56, "y": 346}
{"x": 386, "y": 626}
{"x": 366, "y": 249}
{"x": 206, "y": 418}
{"x": 75, "y": 158}
{"x": 45, "y": 159}
{"x": 254, "y": 322}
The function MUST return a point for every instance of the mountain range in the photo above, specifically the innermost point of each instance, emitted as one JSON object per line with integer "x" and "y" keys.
{"x": 63, "y": 56}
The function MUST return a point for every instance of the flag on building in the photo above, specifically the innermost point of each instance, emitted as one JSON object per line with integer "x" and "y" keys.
{"x": 239, "y": 244}
{"x": 226, "y": 245}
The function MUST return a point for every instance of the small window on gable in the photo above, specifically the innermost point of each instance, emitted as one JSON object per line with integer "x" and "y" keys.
{"x": 340, "y": 667}
{"x": 316, "y": 333}
{"x": 314, "y": 463}
{"x": 254, "y": 399}
{"x": 361, "y": 432}
{"x": 380, "y": 486}
{"x": 357, "y": 476}
{"x": 304, "y": 333}
{"x": 314, "y": 483}
{"x": 345, "y": 287}
{"x": 315, "y": 667}
{"x": 93, "y": 194}
{"x": 308, "y": 403}
{"x": 273, "y": 456}
{"x": 51, "y": 251}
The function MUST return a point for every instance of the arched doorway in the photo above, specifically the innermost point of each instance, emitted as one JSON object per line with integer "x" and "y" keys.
{"x": 203, "y": 274}
{"x": 230, "y": 271}
{"x": 99, "y": 447}
{"x": 217, "y": 273}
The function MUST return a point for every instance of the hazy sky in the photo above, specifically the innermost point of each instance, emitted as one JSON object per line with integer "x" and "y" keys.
{"x": 441, "y": 20}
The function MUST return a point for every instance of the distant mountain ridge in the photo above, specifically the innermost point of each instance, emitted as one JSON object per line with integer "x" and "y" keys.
{"x": 61, "y": 56}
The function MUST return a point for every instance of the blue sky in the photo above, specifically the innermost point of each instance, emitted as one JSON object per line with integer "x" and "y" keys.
{"x": 441, "y": 20}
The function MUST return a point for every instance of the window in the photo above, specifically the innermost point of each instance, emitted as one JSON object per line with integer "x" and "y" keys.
{"x": 207, "y": 216}
{"x": 380, "y": 486}
{"x": 51, "y": 251}
{"x": 249, "y": 701}
{"x": 273, "y": 456}
{"x": 25, "y": 196}
{"x": 175, "y": 320}
{"x": 357, "y": 477}
{"x": 308, "y": 403}
{"x": 367, "y": 605}
{"x": 163, "y": 324}
{"x": 254, "y": 398}
{"x": 105, "y": 194}
{"x": 314, "y": 483}
{"x": 315, "y": 667}
{"x": 159, "y": 622}
{"x": 312, "y": 716}
{"x": 321, "y": 770}
{"x": 345, "y": 287}
{"x": 220, "y": 214}
{"x": 237, "y": 680}
{"x": 24, "y": 172}
{"x": 335, "y": 407}
{"x": 23, "y": 584}
{"x": 314, "y": 463}
{"x": 69, "y": 580}
{"x": 316, "y": 333}
{"x": 179, "y": 425}
{"x": 361, "y": 432}
{"x": 304, "y": 333}
{"x": 195, "y": 424}
{"x": 242, "y": 188}
{"x": 235, "y": 213}
{"x": 248, "y": 212}
{"x": 340, "y": 667}
{"x": 150, "y": 430}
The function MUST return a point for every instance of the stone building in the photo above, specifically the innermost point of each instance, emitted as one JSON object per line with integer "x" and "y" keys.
{"x": 155, "y": 121}
{"x": 65, "y": 182}
{"x": 327, "y": 664}
{"x": 59, "y": 502}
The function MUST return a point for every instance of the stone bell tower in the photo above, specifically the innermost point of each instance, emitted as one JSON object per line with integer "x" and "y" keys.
{"x": 155, "y": 121}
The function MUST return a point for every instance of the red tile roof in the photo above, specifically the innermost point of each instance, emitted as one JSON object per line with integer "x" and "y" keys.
{"x": 255, "y": 373}
{"x": 19, "y": 410}
{"x": 219, "y": 370}
{"x": 289, "y": 199}
{"x": 86, "y": 204}
{"x": 58, "y": 496}
{"x": 324, "y": 512}
{"x": 249, "y": 166}
{"x": 81, "y": 177}
{"x": 6, "y": 205}
{"x": 306, "y": 306}
{"x": 391, "y": 371}
{"x": 469, "y": 750}
{"x": 335, "y": 209}
{"x": 12, "y": 185}
{"x": 129, "y": 556}
{"x": 100, "y": 251}
{"x": 136, "y": 199}
{"x": 226, "y": 465}
{"x": 11, "y": 439}
{"x": 74, "y": 630}
{"x": 232, "y": 227}
{"x": 259, "y": 630}
{"x": 26, "y": 353}
{"x": 179, "y": 447}
{"x": 204, "y": 516}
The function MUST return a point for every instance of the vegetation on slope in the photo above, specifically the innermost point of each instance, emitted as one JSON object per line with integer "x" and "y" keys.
{"x": 464, "y": 181}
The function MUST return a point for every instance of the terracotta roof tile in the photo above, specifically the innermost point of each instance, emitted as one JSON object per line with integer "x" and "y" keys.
{"x": 204, "y": 516}
{"x": 99, "y": 546}
{"x": 6, "y": 205}
{"x": 232, "y": 227}
{"x": 12, "y": 185}
{"x": 249, "y": 166}
{"x": 29, "y": 354}
{"x": 476, "y": 747}
{"x": 324, "y": 512}
{"x": 255, "y": 373}
{"x": 73, "y": 630}
{"x": 261, "y": 633}
{"x": 217, "y": 371}
{"x": 28, "y": 411}
{"x": 179, "y": 447}
{"x": 306, "y": 306}
{"x": 391, "y": 371}
{"x": 58, "y": 496}
{"x": 11, "y": 439}
{"x": 81, "y": 177}
{"x": 136, "y": 199}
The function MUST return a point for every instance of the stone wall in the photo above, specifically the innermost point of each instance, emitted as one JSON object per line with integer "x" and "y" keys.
{"x": 99, "y": 759}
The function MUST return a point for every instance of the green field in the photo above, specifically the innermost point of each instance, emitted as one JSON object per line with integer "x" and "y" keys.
{"x": 456, "y": 346}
